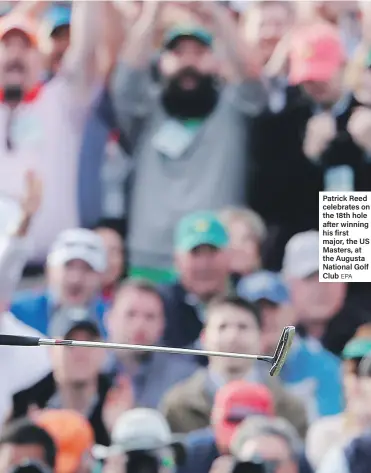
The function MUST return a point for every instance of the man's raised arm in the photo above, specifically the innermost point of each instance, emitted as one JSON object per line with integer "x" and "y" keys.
{"x": 131, "y": 80}
{"x": 80, "y": 62}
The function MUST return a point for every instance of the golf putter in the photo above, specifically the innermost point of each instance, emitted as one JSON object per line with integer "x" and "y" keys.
{"x": 277, "y": 360}
{"x": 282, "y": 350}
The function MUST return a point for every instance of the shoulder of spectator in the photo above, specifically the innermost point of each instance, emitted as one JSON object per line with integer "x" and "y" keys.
{"x": 200, "y": 436}
{"x": 289, "y": 406}
{"x": 22, "y": 299}
{"x": 27, "y": 305}
{"x": 324, "y": 357}
{"x": 38, "y": 392}
{"x": 181, "y": 391}
{"x": 135, "y": 86}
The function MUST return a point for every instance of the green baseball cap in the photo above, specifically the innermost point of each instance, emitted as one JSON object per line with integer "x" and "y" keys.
{"x": 357, "y": 348}
{"x": 200, "y": 228}
{"x": 198, "y": 34}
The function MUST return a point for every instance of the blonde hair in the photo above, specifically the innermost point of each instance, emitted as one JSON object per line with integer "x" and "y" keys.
{"x": 248, "y": 217}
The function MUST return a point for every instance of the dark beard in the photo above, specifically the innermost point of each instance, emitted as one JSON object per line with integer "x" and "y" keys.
{"x": 13, "y": 93}
{"x": 196, "y": 103}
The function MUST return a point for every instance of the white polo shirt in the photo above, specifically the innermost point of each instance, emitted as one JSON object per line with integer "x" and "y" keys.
{"x": 46, "y": 134}
{"x": 20, "y": 367}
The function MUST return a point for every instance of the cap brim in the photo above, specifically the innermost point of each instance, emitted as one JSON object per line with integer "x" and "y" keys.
{"x": 193, "y": 243}
{"x": 301, "y": 271}
{"x": 90, "y": 327}
{"x": 59, "y": 24}
{"x": 171, "y": 43}
{"x": 20, "y": 28}
{"x": 314, "y": 72}
{"x": 100, "y": 452}
{"x": 271, "y": 299}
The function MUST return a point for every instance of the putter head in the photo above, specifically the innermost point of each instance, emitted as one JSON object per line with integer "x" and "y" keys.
{"x": 282, "y": 350}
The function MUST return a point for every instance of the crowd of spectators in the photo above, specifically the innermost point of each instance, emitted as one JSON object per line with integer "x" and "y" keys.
{"x": 160, "y": 170}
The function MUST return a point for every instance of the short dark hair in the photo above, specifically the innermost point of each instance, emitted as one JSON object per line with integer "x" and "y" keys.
{"x": 236, "y": 302}
{"x": 24, "y": 432}
{"x": 139, "y": 284}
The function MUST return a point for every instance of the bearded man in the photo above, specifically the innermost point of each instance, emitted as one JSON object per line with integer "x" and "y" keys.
{"x": 188, "y": 129}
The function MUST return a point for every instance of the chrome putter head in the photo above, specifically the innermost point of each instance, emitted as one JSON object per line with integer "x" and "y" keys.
{"x": 282, "y": 350}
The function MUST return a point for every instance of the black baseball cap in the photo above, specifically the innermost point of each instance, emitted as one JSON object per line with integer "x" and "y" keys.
{"x": 64, "y": 321}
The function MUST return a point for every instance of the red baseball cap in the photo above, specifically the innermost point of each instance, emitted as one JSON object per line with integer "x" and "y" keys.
{"x": 233, "y": 403}
{"x": 316, "y": 53}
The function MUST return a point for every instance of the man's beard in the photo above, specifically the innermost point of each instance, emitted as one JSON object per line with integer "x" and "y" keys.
{"x": 198, "y": 102}
{"x": 13, "y": 89}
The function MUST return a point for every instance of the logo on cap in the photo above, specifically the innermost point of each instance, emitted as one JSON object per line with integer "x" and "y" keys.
{"x": 201, "y": 226}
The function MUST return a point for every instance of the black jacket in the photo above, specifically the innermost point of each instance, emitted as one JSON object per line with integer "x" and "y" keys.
{"x": 40, "y": 393}
{"x": 285, "y": 185}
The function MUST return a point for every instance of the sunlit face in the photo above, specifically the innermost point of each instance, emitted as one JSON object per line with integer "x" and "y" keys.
{"x": 75, "y": 283}
{"x": 204, "y": 270}
{"x": 316, "y": 302}
{"x": 271, "y": 449}
{"x": 12, "y": 455}
{"x": 115, "y": 255}
{"x": 136, "y": 317}
{"x": 231, "y": 329}
{"x": 243, "y": 247}
{"x": 76, "y": 365}
{"x": 187, "y": 55}
{"x": 20, "y": 62}
{"x": 326, "y": 93}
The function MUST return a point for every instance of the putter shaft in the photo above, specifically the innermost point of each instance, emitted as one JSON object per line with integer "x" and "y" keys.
{"x": 149, "y": 348}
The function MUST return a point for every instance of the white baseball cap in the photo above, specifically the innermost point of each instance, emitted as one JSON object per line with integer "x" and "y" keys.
{"x": 137, "y": 430}
{"x": 81, "y": 244}
{"x": 301, "y": 258}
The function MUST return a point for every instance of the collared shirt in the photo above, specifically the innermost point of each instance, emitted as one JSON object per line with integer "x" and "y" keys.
{"x": 155, "y": 375}
{"x": 215, "y": 381}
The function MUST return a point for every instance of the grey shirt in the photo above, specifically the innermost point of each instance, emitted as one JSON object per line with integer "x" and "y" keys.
{"x": 205, "y": 172}
{"x": 159, "y": 373}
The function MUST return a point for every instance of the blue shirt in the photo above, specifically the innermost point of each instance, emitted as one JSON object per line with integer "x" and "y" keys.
{"x": 314, "y": 374}
{"x": 36, "y": 310}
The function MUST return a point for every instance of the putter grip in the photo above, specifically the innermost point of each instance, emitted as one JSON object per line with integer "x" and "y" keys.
{"x": 18, "y": 340}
